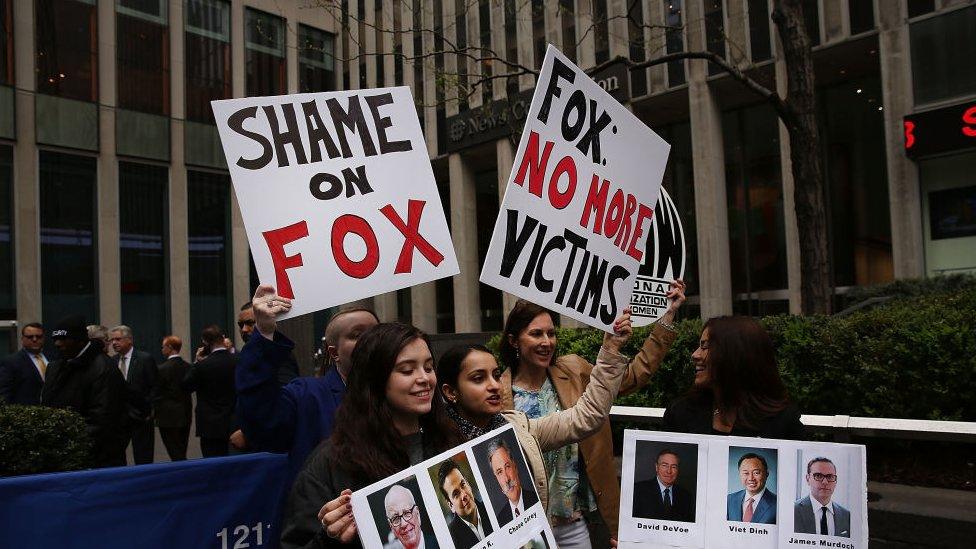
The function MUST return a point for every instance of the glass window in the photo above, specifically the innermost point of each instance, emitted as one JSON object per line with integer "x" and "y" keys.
{"x": 142, "y": 35}
{"x": 418, "y": 64}
{"x": 379, "y": 33}
{"x": 207, "y": 64}
{"x": 539, "y": 31}
{"x": 316, "y": 60}
{"x": 759, "y": 30}
{"x": 757, "y": 241}
{"x": 484, "y": 21}
{"x": 67, "y": 200}
{"x": 714, "y": 31}
{"x": 920, "y": 7}
{"x": 6, "y": 42}
{"x": 601, "y": 31}
{"x": 567, "y": 18}
{"x": 857, "y": 200}
{"x": 67, "y": 48}
{"x": 143, "y": 206}
{"x": 8, "y": 299}
{"x": 264, "y": 53}
{"x": 861, "y": 13}
{"x": 346, "y": 52}
{"x": 208, "y": 217}
{"x": 811, "y": 14}
{"x": 361, "y": 45}
{"x": 638, "y": 48}
{"x": 439, "y": 79}
{"x": 511, "y": 45}
{"x": 674, "y": 40}
{"x": 944, "y": 56}
{"x": 486, "y": 184}
{"x": 397, "y": 43}
{"x": 461, "y": 43}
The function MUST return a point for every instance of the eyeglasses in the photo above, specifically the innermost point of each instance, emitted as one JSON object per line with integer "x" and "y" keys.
{"x": 243, "y": 323}
{"x": 820, "y": 477}
{"x": 397, "y": 520}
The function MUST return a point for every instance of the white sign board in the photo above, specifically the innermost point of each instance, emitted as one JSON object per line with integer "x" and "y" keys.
{"x": 571, "y": 231}
{"x": 736, "y": 492}
{"x": 455, "y": 500}
{"x": 337, "y": 194}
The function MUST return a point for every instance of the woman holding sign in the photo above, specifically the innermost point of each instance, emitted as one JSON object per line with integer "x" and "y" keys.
{"x": 390, "y": 418}
{"x": 471, "y": 386}
{"x": 737, "y": 388}
{"x": 543, "y": 384}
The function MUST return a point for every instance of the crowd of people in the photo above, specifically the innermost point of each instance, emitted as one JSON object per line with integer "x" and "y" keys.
{"x": 382, "y": 404}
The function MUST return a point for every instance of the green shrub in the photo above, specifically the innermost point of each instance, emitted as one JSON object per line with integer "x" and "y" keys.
{"x": 913, "y": 357}
{"x": 38, "y": 439}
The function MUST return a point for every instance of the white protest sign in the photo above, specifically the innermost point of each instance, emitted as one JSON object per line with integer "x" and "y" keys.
{"x": 664, "y": 261}
{"x": 337, "y": 194}
{"x": 455, "y": 500}
{"x": 571, "y": 231}
{"x": 737, "y": 492}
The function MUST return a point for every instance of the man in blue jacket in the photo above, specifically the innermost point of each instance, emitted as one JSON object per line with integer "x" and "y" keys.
{"x": 756, "y": 502}
{"x": 293, "y": 418}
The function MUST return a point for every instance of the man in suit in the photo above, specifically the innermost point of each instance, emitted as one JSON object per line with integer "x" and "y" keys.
{"x": 22, "y": 373}
{"x": 403, "y": 515}
{"x": 506, "y": 472}
{"x": 172, "y": 405}
{"x": 213, "y": 380}
{"x": 816, "y": 513}
{"x": 661, "y": 498}
{"x": 470, "y": 523}
{"x": 755, "y": 503}
{"x": 140, "y": 372}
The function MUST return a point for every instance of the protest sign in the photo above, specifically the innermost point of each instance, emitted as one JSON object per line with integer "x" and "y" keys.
{"x": 571, "y": 231}
{"x": 664, "y": 261}
{"x": 461, "y": 498}
{"x": 736, "y": 492}
{"x": 337, "y": 194}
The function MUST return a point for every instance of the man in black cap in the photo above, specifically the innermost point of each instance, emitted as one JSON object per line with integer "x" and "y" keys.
{"x": 83, "y": 379}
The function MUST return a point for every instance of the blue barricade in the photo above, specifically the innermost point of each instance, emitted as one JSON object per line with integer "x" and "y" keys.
{"x": 221, "y": 503}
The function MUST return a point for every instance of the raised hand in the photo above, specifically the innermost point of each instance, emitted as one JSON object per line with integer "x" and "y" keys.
{"x": 267, "y": 305}
{"x": 622, "y": 329}
{"x": 676, "y": 297}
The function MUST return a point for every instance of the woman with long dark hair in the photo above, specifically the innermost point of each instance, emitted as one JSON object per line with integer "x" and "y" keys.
{"x": 737, "y": 388}
{"x": 391, "y": 418}
{"x": 469, "y": 381}
{"x": 541, "y": 383}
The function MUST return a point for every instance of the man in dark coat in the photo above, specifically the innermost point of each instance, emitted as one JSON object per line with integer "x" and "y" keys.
{"x": 213, "y": 380}
{"x": 661, "y": 497}
{"x": 22, "y": 373}
{"x": 140, "y": 372}
{"x": 172, "y": 405}
{"x": 86, "y": 381}
{"x": 469, "y": 523}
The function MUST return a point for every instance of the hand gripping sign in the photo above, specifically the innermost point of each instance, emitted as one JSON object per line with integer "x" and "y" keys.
{"x": 337, "y": 194}
{"x": 572, "y": 228}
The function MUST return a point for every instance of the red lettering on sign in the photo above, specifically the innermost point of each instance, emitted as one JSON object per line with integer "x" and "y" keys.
{"x": 353, "y": 224}
{"x": 276, "y": 240}
{"x": 596, "y": 202}
{"x": 909, "y": 136}
{"x": 969, "y": 118}
{"x": 532, "y": 164}
{"x": 411, "y": 234}
{"x": 560, "y": 200}
{"x": 643, "y": 212}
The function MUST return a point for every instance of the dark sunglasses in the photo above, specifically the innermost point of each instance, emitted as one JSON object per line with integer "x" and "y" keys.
{"x": 243, "y": 323}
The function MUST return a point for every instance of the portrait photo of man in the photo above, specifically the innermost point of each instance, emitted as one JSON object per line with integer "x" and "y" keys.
{"x": 817, "y": 513}
{"x": 506, "y": 477}
{"x": 662, "y": 496}
{"x": 756, "y": 501}
{"x": 467, "y": 518}
{"x": 400, "y": 517}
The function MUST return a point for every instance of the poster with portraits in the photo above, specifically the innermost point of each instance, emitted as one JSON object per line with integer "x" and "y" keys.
{"x": 682, "y": 490}
{"x": 480, "y": 494}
